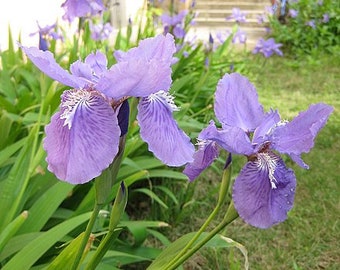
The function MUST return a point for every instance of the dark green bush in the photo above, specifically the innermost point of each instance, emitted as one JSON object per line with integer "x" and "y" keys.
{"x": 315, "y": 27}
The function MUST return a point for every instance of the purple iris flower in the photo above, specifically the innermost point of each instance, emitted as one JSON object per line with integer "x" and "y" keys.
{"x": 100, "y": 31}
{"x": 175, "y": 19}
{"x": 325, "y": 18}
{"x": 293, "y": 13}
{"x": 175, "y": 23}
{"x": 45, "y": 34}
{"x": 311, "y": 23}
{"x": 81, "y": 8}
{"x": 237, "y": 15}
{"x": 267, "y": 47}
{"x": 82, "y": 138}
{"x": 240, "y": 36}
{"x": 264, "y": 190}
{"x": 261, "y": 18}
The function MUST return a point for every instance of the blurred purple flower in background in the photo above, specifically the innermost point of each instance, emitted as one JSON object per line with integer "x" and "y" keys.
{"x": 261, "y": 18}
{"x": 267, "y": 47}
{"x": 46, "y": 34}
{"x": 325, "y": 18}
{"x": 264, "y": 190}
{"x": 240, "y": 36}
{"x": 81, "y": 8}
{"x": 82, "y": 138}
{"x": 311, "y": 23}
{"x": 100, "y": 31}
{"x": 237, "y": 15}
{"x": 293, "y": 13}
{"x": 174, "y": 24}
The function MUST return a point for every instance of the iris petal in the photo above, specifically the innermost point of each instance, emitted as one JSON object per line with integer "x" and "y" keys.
{"x": 45, "y": 61}
{"x": 257, "y": 201}
{"x": 298, "y": 135}
{"x": 232, "y": 139}
{"x": 203, "y": 157}
{"x": 237, "y": 104}
{"x": 135, "y": 78}
{"x": 159, "y": 48}
{"x": 82, "y": 70}
{"x": 81, "y": 152}
{"x": 159, "y": 129}
{"x": 97, "y": 62}
{"x": 142, "y": 70}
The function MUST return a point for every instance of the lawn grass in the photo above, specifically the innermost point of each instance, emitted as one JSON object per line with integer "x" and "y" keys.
{"x": 308, "y": 239}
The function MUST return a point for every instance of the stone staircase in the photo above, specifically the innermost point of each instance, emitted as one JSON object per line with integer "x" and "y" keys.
{"x": 212, "y": 16}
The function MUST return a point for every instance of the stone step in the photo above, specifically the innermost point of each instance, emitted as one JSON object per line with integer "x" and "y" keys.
{"x": 212, "y": 18}
{"x": 222, "y": 22}
{"x": 251, "y": 32}
{"x": 224, "y": 13}
{"x": 229, "y": 5}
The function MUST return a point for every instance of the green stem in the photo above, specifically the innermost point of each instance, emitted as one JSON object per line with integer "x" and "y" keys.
{"x": 228, "y": 218}
{"x": 101, "y": 250}
{"x": 221, "y": 198}
{"x": 86, "y": 236}
{"x": 196, "y": 236}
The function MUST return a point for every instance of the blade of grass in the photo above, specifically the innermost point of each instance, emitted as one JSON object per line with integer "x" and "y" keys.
{"x": 27, "y": 256}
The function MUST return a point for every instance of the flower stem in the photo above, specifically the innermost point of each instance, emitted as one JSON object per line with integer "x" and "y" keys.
{"x": 102, "y": 249}
{"x": 86, "y": 236}
{"x": 221, "y": 198}
{"x": 228, "y": 218}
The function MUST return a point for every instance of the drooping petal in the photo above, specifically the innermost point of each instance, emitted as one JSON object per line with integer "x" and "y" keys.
{"x": 44, "y": 60}
{"x": 159, "y": 48}
{"x": 232, "y": 139}
{"x": 237, "y": 104}
{"x": 136, "y": 78}
{"x": 159, "y": 129}
{"x": 298, "y": 136}
{"x": 79, "y": 152}
{"x": 205, "y": 155}
{"x": 258, "y": 201}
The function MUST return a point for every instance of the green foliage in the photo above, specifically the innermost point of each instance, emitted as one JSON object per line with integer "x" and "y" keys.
{"x": 315, "y": 28}
{"x": 43, "y": 219}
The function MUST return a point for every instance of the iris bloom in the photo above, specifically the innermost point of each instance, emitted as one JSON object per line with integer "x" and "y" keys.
{"x": 264, "y": 190}
{"x": 81, "y": 8}
{"x": 237, "y": 15}
{"x": 83, "y": 136}
{"x": 100, "y": 31}
{"x": 293, "y": 13}
{"x": 240, "y": 36}
{"x": 45, "y": 34}
{"x": 174, "y": 23}
{"x": 267, "y": 47}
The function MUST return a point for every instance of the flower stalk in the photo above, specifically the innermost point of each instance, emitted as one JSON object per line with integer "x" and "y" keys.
{"x": 224, "y": 187}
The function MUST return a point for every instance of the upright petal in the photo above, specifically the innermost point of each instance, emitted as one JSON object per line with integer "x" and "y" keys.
{"x": 298, "y": 135}
{"x": 159, "y": 129}
{"x": 136, "y": 78}
{"x": 257, "y": 200}
{"x": 205, "y": 155}
{"x": 80, "y": 152}
{"x": 44, "y": 60}
{"x": 156, "y": 48}
{"x": 83, "y": 71}
{"x": 232, "y": 139}
{"x": 264, "y": 130}
{"x": 97, "y": 62}
{"x": 237, "y": 104}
